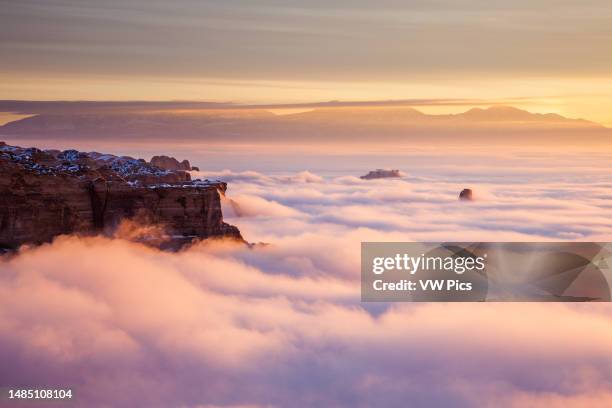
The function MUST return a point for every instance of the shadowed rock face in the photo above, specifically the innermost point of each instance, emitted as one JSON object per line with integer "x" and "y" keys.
{"x": 48, "y": 193}
{"x": 380, "y": 173}
{"x": 466, "y": 195}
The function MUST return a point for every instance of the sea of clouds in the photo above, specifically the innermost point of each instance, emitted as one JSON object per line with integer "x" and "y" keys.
{"x": 281, "y": 325}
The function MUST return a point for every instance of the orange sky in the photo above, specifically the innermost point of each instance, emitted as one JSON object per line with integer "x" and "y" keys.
{"x": 544, "y": 58}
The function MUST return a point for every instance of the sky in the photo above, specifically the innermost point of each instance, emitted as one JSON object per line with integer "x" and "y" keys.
{"x": 553, "y": 55}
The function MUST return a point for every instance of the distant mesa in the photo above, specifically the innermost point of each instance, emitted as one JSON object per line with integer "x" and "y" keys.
{"x": 466, "y": 195}
{"x": 170, "y": 163}
{"x": 381, "y": 173}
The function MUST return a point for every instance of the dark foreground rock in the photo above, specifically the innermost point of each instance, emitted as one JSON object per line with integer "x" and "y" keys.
{"x": 44, "y": 194}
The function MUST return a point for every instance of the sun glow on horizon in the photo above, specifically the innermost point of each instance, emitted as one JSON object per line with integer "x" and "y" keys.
{"x": 584, "y": 98}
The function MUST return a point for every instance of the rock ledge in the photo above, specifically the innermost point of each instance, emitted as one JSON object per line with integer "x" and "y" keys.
{"x": 46, "y": 193}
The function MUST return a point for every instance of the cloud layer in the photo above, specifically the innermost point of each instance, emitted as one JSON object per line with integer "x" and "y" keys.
{"x": 280, "y": 324}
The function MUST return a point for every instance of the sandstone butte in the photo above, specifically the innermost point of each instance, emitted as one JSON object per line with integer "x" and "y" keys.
{"x": 46, "y": 193}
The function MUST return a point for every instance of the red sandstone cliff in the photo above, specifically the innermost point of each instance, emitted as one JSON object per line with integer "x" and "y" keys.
{"x": 48, "y": 193}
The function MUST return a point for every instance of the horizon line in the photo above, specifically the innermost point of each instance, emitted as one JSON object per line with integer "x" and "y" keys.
{"x": 37, "y": 107}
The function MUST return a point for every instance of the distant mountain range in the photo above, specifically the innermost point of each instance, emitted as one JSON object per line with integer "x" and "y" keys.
{"x": 475, "y": 116}
{"x": 359, "y": 124}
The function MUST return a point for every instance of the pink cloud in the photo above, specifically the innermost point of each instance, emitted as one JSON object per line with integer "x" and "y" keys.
{"x": 132, "y": 317}
{"x": 281, "y": 324}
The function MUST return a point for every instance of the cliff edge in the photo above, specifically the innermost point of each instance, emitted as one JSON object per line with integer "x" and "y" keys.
{"x": 46, "y": 193}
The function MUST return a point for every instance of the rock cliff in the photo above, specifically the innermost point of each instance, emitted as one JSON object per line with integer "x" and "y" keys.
{"x": 48, "y": 193}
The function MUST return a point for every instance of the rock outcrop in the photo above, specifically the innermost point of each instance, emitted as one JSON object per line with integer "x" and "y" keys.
{"x": 466, "y": 195}
{"x": 170, "y": 163}
{"x": 48, "y": 193}
{"x": 380, "y": 173}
